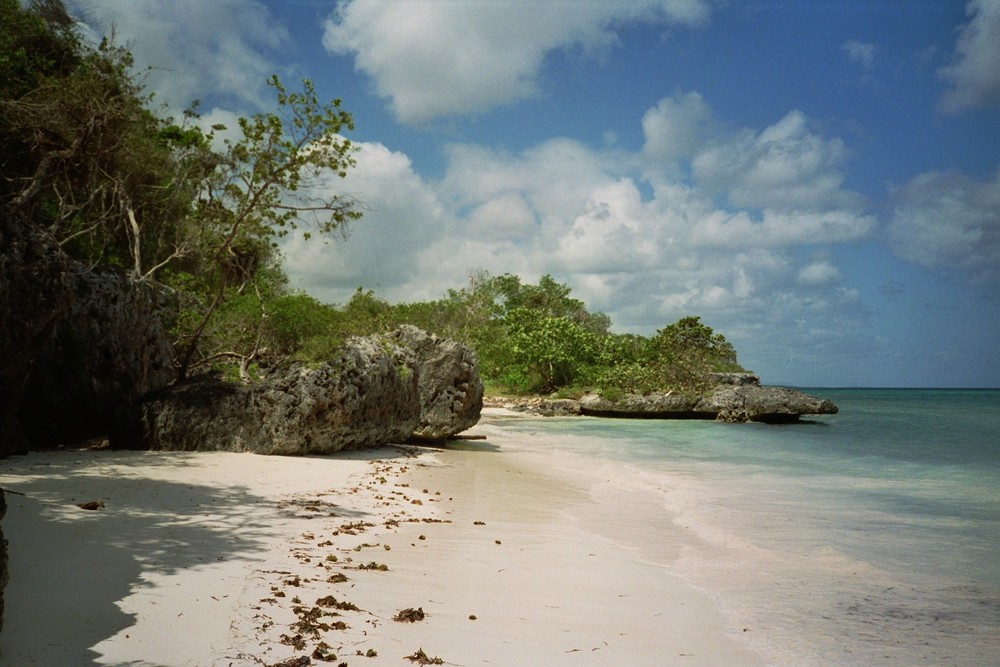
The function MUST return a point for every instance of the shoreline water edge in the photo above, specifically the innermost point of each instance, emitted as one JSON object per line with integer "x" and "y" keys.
{"x": 512, "y": 548}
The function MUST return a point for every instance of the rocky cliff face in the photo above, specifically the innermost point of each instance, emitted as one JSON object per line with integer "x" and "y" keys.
{"x": 110, "y": 348}
{"x": 451, "y": 391}
{"x": 35, "y": 293}
{"x": 75, "y": 346}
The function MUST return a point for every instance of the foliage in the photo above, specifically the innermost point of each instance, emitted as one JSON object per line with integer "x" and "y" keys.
{"x": 87, "y": 165}
{"x": 260, "y": 188}
{"x": 538, "y": 338}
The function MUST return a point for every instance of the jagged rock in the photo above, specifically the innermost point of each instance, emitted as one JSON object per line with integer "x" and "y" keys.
{"x": 110, "y": 348}
{"x": 365, "y": 397}
{"x": 742, "y": 400}
{"x": 764, "y": 404}
{"x": 451, "y": 391}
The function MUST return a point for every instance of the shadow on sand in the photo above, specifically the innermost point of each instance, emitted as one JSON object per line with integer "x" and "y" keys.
{"x": 70, "y": 568}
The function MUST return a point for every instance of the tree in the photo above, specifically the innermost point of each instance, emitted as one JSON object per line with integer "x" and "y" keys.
{"x": 262, "y": 187}
{"x": 550, "y": 347}
{"x": 688, "y": 338}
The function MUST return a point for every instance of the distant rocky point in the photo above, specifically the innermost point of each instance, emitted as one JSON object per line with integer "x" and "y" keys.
{"x": 736, "y": 398}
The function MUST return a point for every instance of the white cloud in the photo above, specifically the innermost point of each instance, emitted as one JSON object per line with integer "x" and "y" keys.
{"x": 944, "y": 219}
{"x": 783, "y": 167}
{"x": 676, "y": 126}
{"x": 401, "y": 217}
{"x": 193, "y": 46}
{"x": 819, "y": 272}
{"x": 860, "y": 52}
{"x": 974, "y": 76}
{"x": 432, "y": 58}
{"x": 732, "y": 230}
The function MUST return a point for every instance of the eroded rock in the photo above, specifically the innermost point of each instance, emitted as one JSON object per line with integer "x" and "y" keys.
{"x": 451, "y": 391}
{"x": 365, "y": 397}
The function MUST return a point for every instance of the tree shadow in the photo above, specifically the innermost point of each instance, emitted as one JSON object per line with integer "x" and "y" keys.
{"x": 71, "y": 568}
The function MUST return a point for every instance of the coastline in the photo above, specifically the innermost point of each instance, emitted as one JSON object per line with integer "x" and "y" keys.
{"x": 496, "y": 550}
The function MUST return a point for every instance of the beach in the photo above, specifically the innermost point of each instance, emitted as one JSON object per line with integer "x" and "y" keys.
{"x": 481, "y": 552}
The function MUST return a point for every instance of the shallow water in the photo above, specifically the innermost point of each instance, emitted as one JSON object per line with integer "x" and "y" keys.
{"x": 868, "y": 537}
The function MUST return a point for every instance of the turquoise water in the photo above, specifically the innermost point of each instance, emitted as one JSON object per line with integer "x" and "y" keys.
{"x": 867, "y": 537}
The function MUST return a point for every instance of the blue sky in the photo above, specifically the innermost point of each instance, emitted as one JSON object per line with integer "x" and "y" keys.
{"x": 818, "y": 180}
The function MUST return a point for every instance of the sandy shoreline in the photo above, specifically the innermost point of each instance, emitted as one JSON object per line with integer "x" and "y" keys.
{"x": 237, "y": 559}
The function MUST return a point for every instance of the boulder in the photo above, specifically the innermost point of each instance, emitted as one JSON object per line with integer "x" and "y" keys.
{"x": 451, "y": 391}
{"x": 365, "y": 397}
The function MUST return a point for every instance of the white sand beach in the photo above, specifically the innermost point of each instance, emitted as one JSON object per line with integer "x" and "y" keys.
{"x": 237, "y": 559}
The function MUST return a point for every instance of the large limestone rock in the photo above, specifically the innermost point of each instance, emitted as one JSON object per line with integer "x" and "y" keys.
{"x": 451, "y": 391}
{"x": 365, "y": 397}
{"x": 110, "y": 348}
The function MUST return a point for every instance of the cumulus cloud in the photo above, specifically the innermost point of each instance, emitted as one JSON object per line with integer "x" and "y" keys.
{"x": 432, "y": 58}
{"x": 676, "y": 126}
{"x": 949, "y": 219}
{"x": 785, "y": 167}
{"x": 974, "y": 75}
{"x": 401, "y": 217}
{"x": 193, "y": 46}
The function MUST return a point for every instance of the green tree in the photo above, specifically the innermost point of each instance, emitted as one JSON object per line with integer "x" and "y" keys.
{"x": 552, "y": 348}
{"x": 273, "y": 180}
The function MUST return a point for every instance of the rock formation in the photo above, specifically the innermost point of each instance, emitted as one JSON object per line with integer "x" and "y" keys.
{"x": 110, "y": 348}
{"x": 35, "y": 293}
{"x": 379, "y": 390}
{"x": 365, "y": 397}
{"x": 738, "y": 397}
{"x": 451, "y": 392}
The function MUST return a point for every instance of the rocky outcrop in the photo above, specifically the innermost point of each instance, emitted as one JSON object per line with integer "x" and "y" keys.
{"x": 451, "y": 391}
{"x": 739, "y": 399}
{"x": 110, "y": 348}
{"x": 775, "y": 405}
{"x": 365, "y": 397}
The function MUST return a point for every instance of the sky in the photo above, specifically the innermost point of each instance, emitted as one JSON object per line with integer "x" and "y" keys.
{"x": 818, "y": 180}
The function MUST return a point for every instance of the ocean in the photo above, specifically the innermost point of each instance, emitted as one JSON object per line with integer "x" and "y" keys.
{"x": 870, "y": 537}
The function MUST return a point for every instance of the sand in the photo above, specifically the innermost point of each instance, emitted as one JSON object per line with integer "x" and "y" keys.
{"x": 237, "y": 559}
